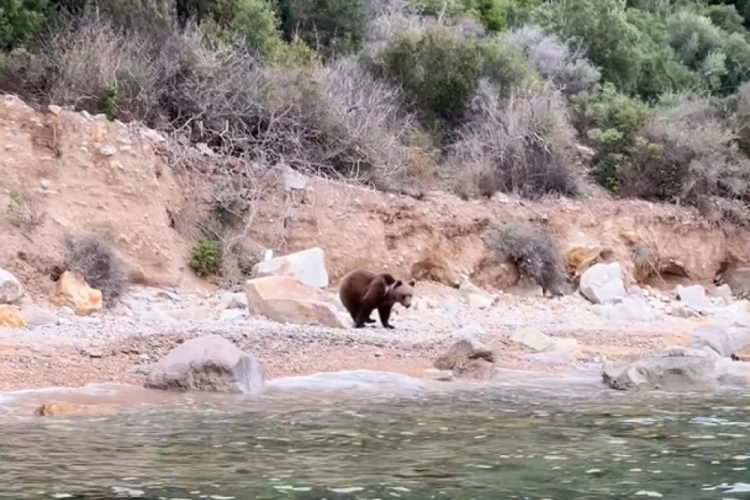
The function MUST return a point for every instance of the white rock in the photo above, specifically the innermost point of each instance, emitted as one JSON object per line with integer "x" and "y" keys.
{"x": 602, "y": 283}
{"x": 308, "y": 267}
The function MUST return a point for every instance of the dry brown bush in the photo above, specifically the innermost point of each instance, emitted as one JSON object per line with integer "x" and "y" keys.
{"x": 688, "y": 155}
{"x": 27, "y": 209}
{"x": 520, "y": 146}
{"x": 534, "y": 254}
{"x": 93, "y": 257}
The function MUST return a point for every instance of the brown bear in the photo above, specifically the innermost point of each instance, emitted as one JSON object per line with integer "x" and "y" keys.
{"x": 362, "y": 292}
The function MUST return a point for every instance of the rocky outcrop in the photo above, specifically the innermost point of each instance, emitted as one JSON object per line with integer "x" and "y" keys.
{"x": 91, "y": 175}
{"x": 723, "y": 341}
{"x": 210, "y": 364}
{"x": 672, "y": 369}
{"x": 73, "y": 291}
{"x": 286, "y": 300}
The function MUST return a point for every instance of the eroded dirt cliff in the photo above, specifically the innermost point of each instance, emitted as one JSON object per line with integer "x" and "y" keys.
{"x": 91, "y": 175}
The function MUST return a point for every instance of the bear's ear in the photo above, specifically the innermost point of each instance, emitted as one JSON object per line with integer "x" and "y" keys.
{"x": 412, "y": 283}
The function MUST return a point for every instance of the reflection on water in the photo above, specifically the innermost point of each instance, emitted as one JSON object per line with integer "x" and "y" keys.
{"x": 485, "y": 444}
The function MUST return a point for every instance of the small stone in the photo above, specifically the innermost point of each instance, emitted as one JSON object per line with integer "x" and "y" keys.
{"x": 108, "y": 150}
{"x": 54, "y": 109}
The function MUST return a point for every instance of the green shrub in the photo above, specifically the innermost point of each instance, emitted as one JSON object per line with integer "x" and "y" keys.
{"x": 693, "y": 37}
{"x": 737, "y": 62}
{"x": 725, "y": 17}
{"x": 611, "y": 121}
{"x": 206, "y": 258}
{"x": 92, "y": 257}
{"x": 332, "y": 27}
{"x": 20, "y": 21}
{"x": 439, "y": 70}
{"x": 612, "y": 43}
{"x": 495, "y": 15}
{"x": 660, "y": 72}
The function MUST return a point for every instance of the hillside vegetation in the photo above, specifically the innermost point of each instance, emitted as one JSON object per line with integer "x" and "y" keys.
{"x": 473, "y": 96}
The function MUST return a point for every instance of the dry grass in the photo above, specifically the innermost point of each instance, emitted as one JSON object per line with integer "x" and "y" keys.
{"x": 26, "y": 210}
{"x": 522, "y": 146}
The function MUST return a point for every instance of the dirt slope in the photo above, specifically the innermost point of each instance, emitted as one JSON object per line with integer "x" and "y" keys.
{"x": 94, "y": 175}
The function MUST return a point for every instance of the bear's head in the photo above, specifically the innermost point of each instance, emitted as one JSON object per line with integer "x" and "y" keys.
{"x": 402, "y": 292}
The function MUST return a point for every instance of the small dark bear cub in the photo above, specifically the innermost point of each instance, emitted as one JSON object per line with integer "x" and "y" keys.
{"x": 363, "y": 291}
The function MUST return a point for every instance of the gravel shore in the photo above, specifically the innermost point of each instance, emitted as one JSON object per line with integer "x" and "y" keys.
{"x": 105, "y": 347}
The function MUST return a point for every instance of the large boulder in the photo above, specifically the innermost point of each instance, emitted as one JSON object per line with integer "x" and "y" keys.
{"x": 695, "y": 298}
{"x": 738, "y": 280}
{"x": 73, "y": 291}
{"x": 210, "y": 364}
{"x": 723, "y": 340}
{"x": 538, "y": 342}
{"x": 286, "y": 300}
{"x": 10, "y": 288}
{"x": 468, "y": 358}
{"x": 602, "y": 283}
{"x": 308, "y": 267}
{"x": 672, "y": 369}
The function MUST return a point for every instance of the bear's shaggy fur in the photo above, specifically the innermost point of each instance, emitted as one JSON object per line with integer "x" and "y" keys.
{"x": 363, "y": 291}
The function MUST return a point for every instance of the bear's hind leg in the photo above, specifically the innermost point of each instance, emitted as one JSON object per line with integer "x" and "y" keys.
{"x": 362, "y": 317}
{"x": 385, "y": 314}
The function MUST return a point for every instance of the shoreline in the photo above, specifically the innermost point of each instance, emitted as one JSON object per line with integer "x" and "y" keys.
{"x": 105, "y": 347}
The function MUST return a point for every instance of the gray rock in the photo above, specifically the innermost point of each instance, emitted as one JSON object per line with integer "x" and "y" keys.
{"x": 672, "y": 369}
{"x": 36, "y": 316}
{"x": 738, "y": 280}
{"x": 211, "y": 364}
{"x": 552, "y": 358}
{"x": 308, "y": 267}
{"x": 533, "y": 339}
{"x": 235, "y": 300}
{"x": 722, "y": 291}
{"x": 11, "y": 289}
{"x": 468, "y": 358}
{"x": 155, "y": 316}
{"x": 722, "y": 340}
{"x": 602, "y": 283}
{"x": 232, "y": 314}
{"x": 634, "y": 307}
{"x": 694, "y": 297}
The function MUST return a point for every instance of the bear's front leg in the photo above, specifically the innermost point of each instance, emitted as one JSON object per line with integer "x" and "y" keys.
{"x": 385, "y": 314}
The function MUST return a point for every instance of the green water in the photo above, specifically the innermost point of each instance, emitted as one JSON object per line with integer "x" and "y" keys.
{"x": 489, "y": 444}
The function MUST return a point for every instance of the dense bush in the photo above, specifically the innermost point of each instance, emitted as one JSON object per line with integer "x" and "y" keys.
{"x": 534, "y": 254}
{"x": 92, "y": 257}
{"x": 554, "y": 59}
{"x": 439, "y": 69}
{"x": 687, "y": 155}
{"x": 520, "y": 146}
